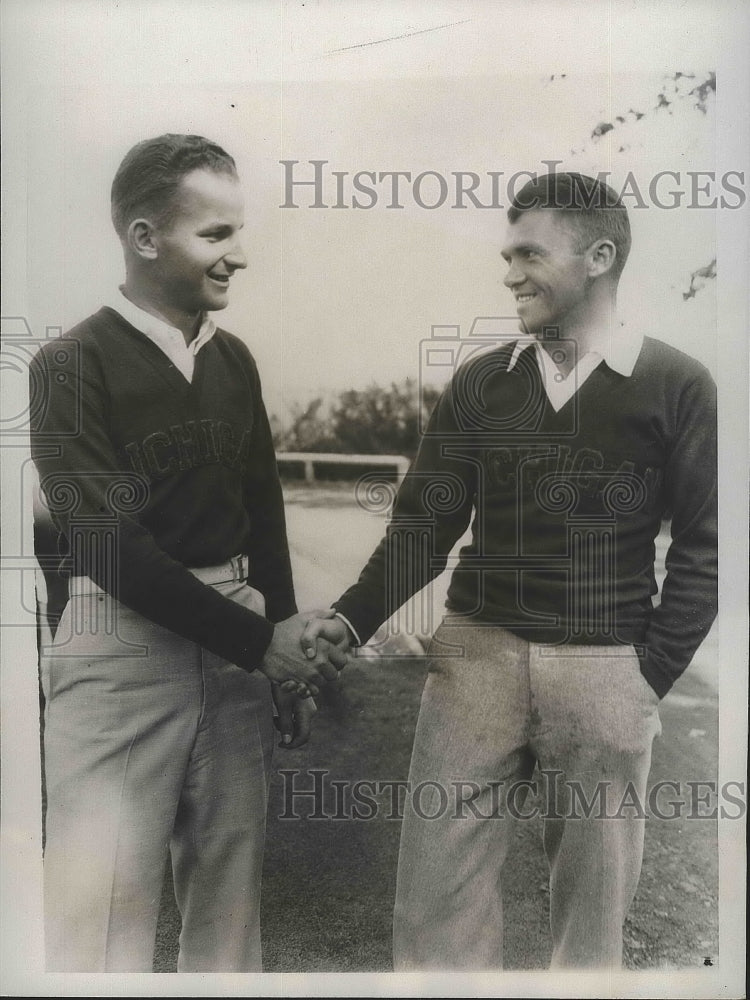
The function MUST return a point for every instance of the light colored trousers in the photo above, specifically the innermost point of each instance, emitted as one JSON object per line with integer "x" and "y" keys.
{"x": 587, "y": 717}
{"x": 144, "y": 753}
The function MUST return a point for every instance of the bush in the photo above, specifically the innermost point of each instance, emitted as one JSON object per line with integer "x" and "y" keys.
{"x": 371, "y": 421}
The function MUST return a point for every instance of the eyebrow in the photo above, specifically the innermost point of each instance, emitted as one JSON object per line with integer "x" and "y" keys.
{"x": 218, "y": 227}
{"x": 519, "y": 248}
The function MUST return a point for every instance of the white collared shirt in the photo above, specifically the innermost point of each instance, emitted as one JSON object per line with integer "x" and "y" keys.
{"x": 166, "y": 337}
{"x": 619, "y": 349}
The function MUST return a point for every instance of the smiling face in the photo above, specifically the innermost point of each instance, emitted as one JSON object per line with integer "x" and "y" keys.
{"x": 197, "y": 248}
{"x": 547, "y": 272}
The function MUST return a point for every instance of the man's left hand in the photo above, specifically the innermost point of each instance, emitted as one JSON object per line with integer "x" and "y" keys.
{"x": 294, "y": 720}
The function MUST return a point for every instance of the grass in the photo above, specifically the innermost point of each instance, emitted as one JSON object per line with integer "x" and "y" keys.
{"x": 329, "y": 884}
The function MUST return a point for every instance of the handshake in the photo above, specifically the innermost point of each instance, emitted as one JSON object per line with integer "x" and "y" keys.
{"x": 306, "y": 652}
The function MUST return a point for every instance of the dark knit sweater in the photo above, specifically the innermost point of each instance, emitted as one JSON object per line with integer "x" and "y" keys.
{"x": 565, "y": 508}
{"x": 171, "y": 474}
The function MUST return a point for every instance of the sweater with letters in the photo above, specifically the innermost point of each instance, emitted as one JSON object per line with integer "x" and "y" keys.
{"x": 564, "y": 508}
{"x": 146, "y": 474}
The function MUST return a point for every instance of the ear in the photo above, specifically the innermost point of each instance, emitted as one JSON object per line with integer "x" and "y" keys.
{"x": 140, "y": 239}
{"x": 600, "y": 257}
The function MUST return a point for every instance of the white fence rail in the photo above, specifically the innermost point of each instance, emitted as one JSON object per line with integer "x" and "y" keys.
{"x": 309, "y": 460}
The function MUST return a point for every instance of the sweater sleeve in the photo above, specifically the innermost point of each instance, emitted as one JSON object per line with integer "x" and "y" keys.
{"x": 89, "y": 495}
{"x": 688, "y": 603}
{"x": 430, "y": 513}
{"x": 270, "y": 564}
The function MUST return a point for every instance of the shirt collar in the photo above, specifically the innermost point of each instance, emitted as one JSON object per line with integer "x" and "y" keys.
{"x": 157, "y": 329}
{"x": 618, "y": 348}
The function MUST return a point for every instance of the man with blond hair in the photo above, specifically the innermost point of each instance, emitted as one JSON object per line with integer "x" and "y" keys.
{"x": 155, "y": 457}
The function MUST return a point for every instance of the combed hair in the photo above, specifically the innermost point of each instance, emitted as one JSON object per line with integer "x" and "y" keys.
{"x": 149, "y": 175}
{"x": 593, "y": 208}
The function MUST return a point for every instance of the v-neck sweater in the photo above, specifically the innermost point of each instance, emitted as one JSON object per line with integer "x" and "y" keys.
{"x": 147, "y": 475}
{"x": 564, "y": 507}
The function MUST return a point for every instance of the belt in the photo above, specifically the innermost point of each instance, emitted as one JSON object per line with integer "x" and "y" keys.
{"x": 233, "y": 571}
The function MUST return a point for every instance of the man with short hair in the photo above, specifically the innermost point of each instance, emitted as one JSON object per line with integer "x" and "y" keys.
{"x": 155, "y": 456}
{"x": 565, "y": 454}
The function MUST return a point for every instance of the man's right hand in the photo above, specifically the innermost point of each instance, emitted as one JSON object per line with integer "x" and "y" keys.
{"x": 286, "y": 664}
{"x": 325, "y": 627}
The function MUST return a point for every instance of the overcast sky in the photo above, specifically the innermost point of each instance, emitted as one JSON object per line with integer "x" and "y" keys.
{"x": 335, "y": 298}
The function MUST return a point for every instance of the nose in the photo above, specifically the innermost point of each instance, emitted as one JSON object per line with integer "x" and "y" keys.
{"x": 513, "y": 276}
{"x": 236, "y": 258}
